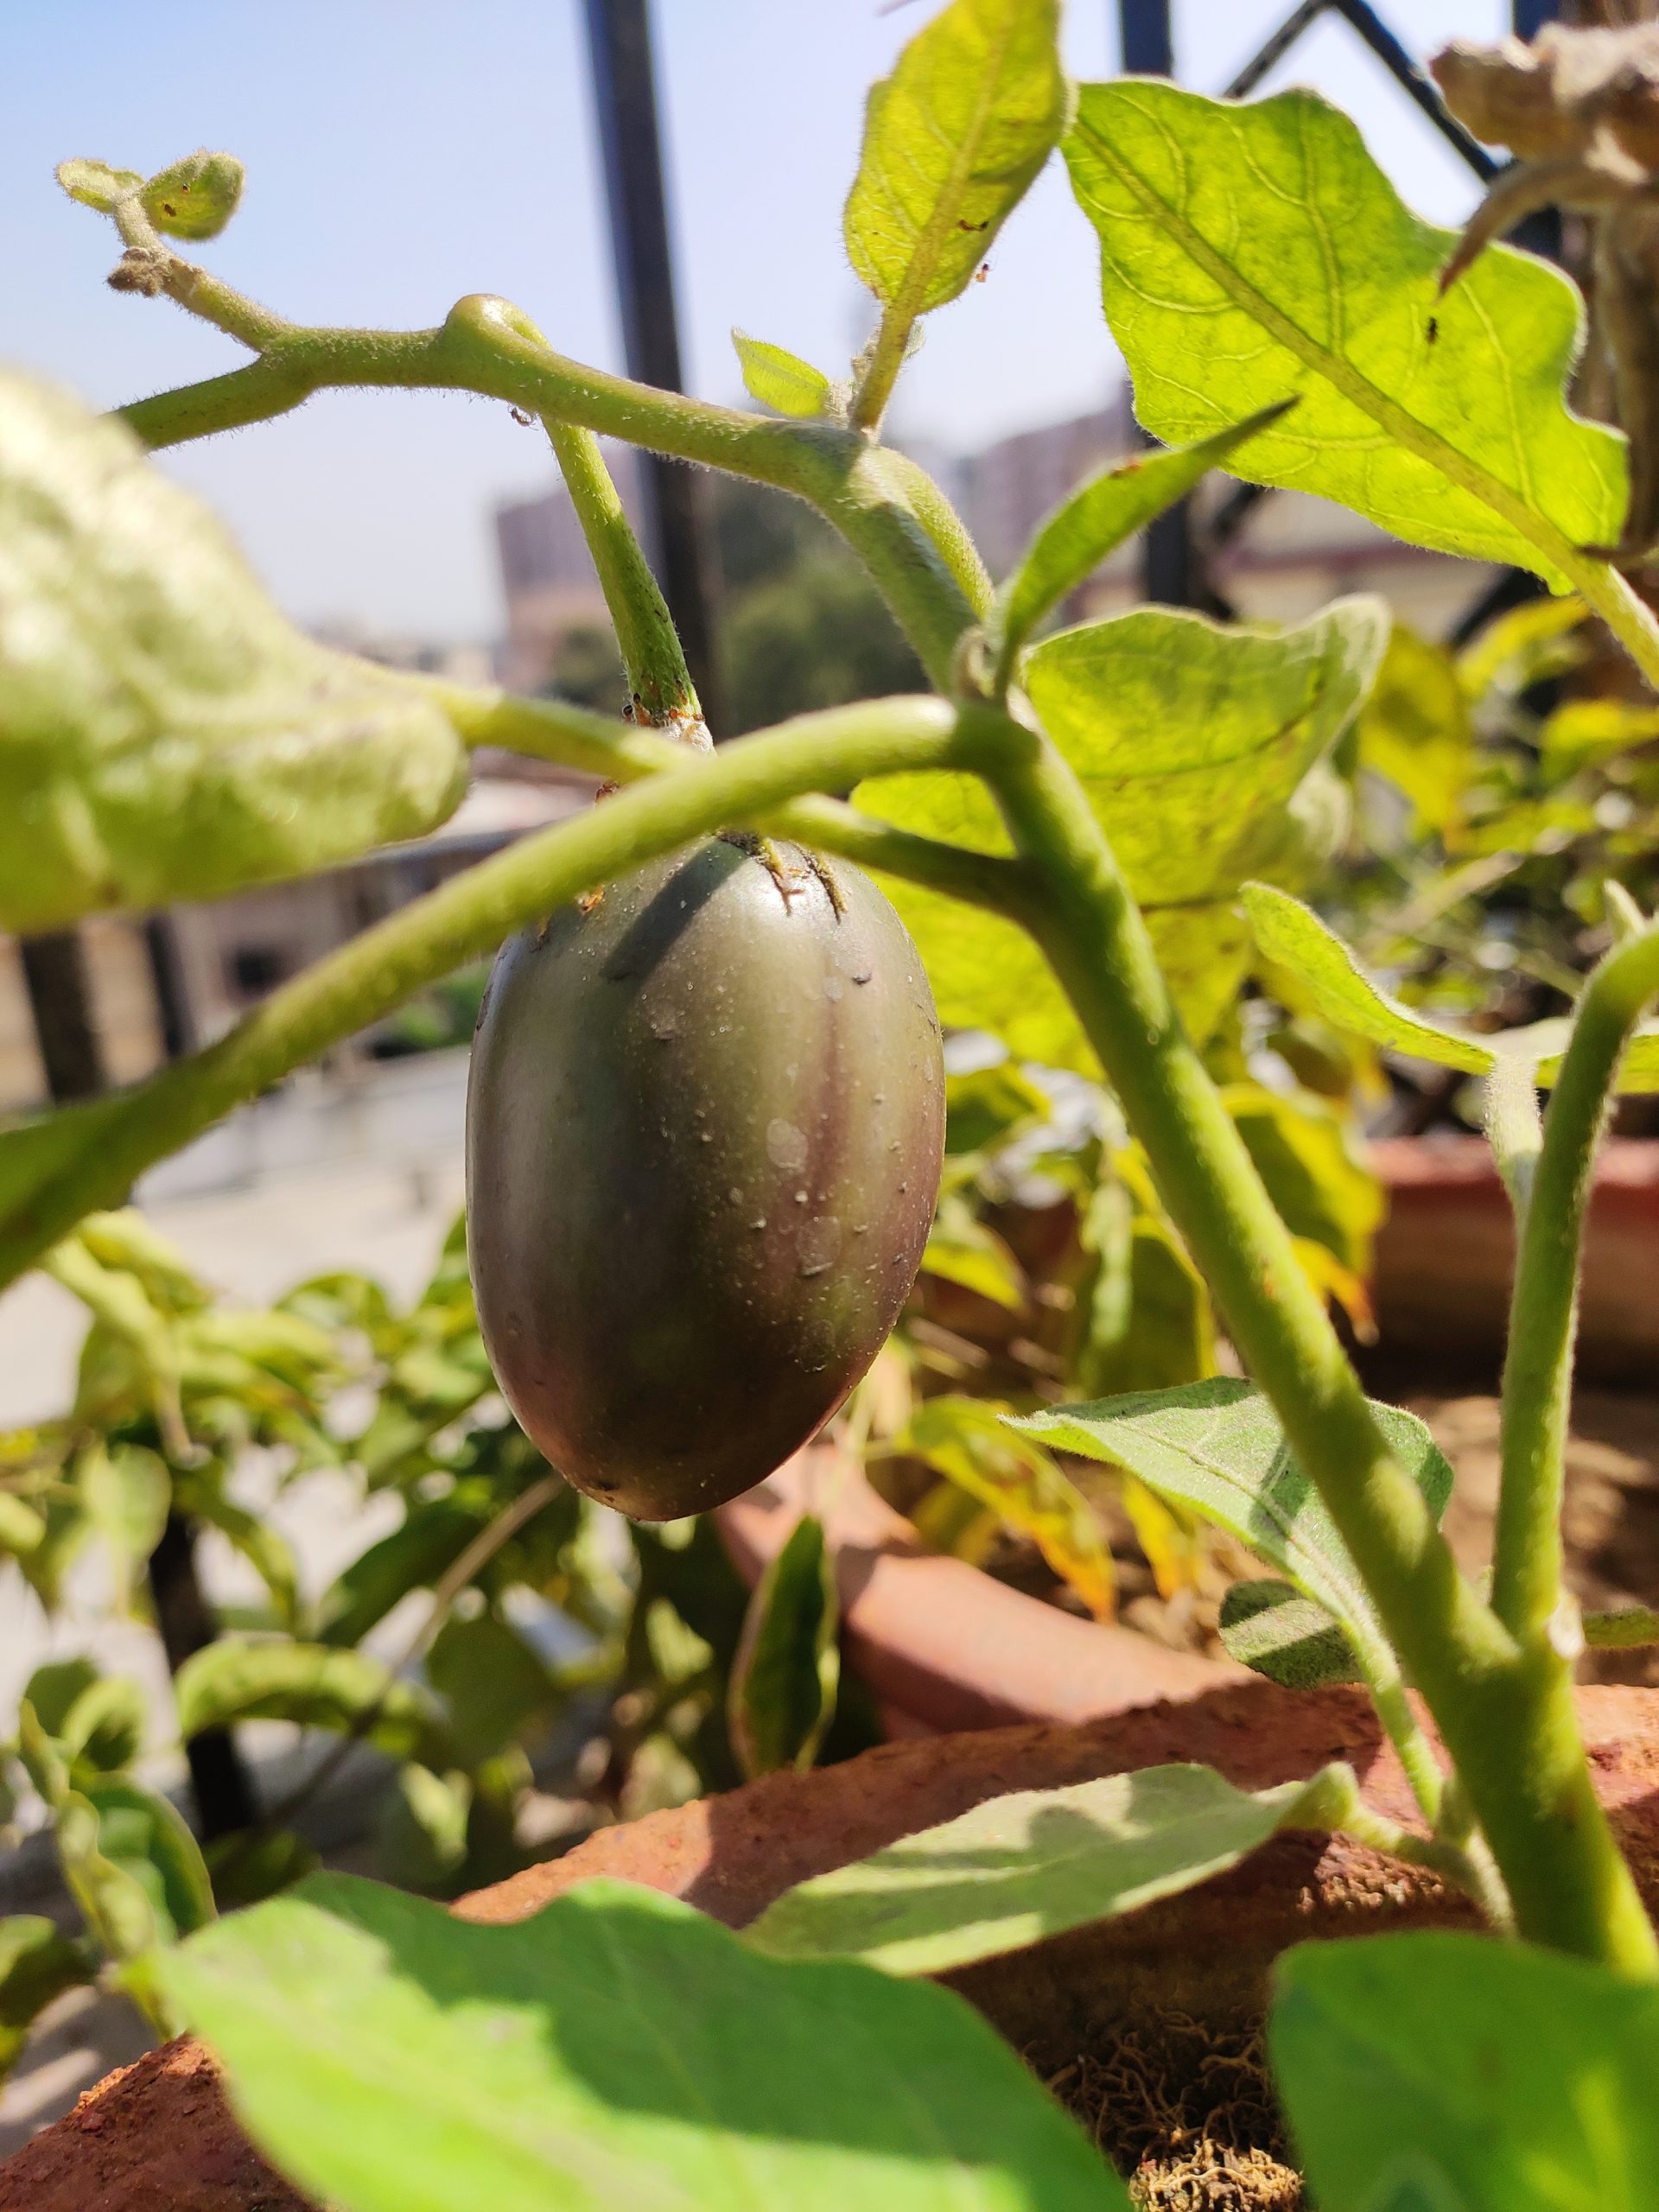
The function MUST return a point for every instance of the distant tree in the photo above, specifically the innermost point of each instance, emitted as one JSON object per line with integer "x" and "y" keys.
{"x": 588, "y": 671}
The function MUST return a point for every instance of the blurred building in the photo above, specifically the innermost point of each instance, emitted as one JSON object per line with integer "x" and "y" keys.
{"x": 547, "y": 573}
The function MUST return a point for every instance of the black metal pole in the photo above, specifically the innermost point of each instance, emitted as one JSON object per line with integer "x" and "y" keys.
{"x": 60, "y": 996}
{"x": 1169, "y": 564}
{"x": 625, "y": 99}
{"x": 219, "y": 1780}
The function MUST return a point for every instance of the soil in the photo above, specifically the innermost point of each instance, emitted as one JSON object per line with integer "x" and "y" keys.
{"x": 1147, "y": 2026}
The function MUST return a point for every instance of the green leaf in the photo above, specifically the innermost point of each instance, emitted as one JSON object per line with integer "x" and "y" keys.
{"x": 961, "y": 1250}
{"x": 1072, "y": 542}
{"x": 126, "y": 1491}
{"x": 781, "y": 380}
{"x": 969, "y": 1441}
{"x": 951, "y": 141}
{"x": 1270, "y": 1627}
{"x": 309, "y": 1683}
{"x": 21, "y": 1529}
{"x": 251, "y": 1864}
{"x": 986, "y": 1109}
{"x": 196, "y": 197}
{"x": 421, "y": 1828}
{"x": 1018, "y": 1869}
{"x": 1217, "y": 1448}
{"x": 787, "y": 1671}
{"x": 1583, "y": 732}
{"x": 1141, "y": 1313}
{"x": 1202, "y": 751}
{"x": 413, "y": 1557}
{"x": 103, "y": 1729}
{"x": 95, "y": 184}
{"x": 1304, "y": 1150}
{"x": 619, "y": 2048}
{"x": 165, "y": 734}
{"x": 493, "y": 1683}
{"x": 1293, "y": 934}
{"x": 53, "y": 1690}
{"x": 264, "y": 1547}
{"x": 38, "y": 1962}
{"x": 1247, "y": 253}
{"x": 149, "y": 1843}
{"x": 1414, "y": 731}
{"x": 1440, "y": 2069}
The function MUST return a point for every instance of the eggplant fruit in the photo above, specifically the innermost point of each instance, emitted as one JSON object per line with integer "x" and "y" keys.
{"x": 704, "y": 1125}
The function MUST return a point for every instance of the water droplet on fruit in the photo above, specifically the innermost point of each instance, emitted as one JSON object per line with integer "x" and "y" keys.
{"x": 786, "y": 1146}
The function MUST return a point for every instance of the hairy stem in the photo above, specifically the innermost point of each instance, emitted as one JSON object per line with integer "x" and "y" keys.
{"x": 1510, "y": 1725}
{"x": 1543, "y": 1315}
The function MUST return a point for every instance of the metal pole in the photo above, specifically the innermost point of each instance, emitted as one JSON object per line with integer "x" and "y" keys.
{"x": 60, "y": 996}
{"x": 625, "y": 99}
{"x": 1167, "y": 564}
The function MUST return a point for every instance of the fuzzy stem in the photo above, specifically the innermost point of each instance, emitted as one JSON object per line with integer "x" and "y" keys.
{"x": 1510, "y": 1725}
{"x": 1543, "y": 1316}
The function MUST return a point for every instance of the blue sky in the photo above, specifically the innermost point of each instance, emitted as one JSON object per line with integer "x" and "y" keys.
{"x": 403, "y": 152}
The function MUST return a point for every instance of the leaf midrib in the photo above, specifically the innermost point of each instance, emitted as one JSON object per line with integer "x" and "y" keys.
{"x": 1338, "y": 372}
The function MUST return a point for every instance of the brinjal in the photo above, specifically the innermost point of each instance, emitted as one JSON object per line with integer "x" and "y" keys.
{"x": 704, "y": 1125}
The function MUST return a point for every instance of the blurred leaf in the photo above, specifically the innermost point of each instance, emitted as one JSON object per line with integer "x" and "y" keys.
{"x": 149, "y": 1843}
{"x": 167, "y": 735}
{"x": 143, "y": 1336}
{"x": 952, "y": 139}
{"x": 984, "y": 1108}
{"x": 21, "y": 1529}
{"x": 781, "y": 1697}
{"x": 1583, "y": 732}
{"x": 1202, "y": 752}
{"x": 1528, "y": 645}
{"x": 1251, "y": 252}
{"x": 1271, "y": 1628}
{"x": 95, "y": 184}
{"x": 1141, "y": 1312}
{"x": 1339, "y": 1284}
{"x": 1293, "y": 934}
{"x": 348, "y": 1691}
{"x": 619, "y": 2048}
{"x": 53, "y": 1688}
{"x": 1305, "y": 1153}
{"x": 125, "y": 1240}
{"x": 1216, "y": 1448}
{"x": 254, "y": 1863}
{"x": 103, "y": 1730}
{"x": 266, "y": 1550}
{"x": 127, "y": 1491}
{"x": 1172, "y": 1541}
{"x": 1071, "y": 543}
{"x": 1479, "y": 2075}
{"x": 966, "y": 1440}
{"x": 38, "y": 1962}
{"x": 1021, "y": 1868}
{"x": 421, "y": 1830}
{"x": 341, "y": 1300}
{"x": 493, "y": 1684}
{"x": 781, "y": 380}
{"x": 432, "y": 1536}
{"x": 961, "y": 1250}
{"x": 196, "y": 197}
{"x": 1414, "y": 731}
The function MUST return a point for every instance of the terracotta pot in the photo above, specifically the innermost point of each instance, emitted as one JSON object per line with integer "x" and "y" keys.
{"x": 1445, "y": 1253}
{"x": 942, "y": 1645}
{"x": 158, "y": 2138}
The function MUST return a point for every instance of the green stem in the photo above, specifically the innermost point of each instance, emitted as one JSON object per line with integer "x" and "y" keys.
{"x": 1543, "y": 1316}
{"x": 1509, "y": 1727}
{"x": 886, "y": 358}
{"x": 104, "y": 1148}
{"x": 906, "y": 535}
{"x": 1627, "y": 1628}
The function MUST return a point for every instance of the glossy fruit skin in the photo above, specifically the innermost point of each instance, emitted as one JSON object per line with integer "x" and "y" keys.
{"x": 704, "y": 1127}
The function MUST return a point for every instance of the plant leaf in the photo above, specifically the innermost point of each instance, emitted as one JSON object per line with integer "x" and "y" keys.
{"x": 1293, "y": 934}
{"x": 95, "y": 184}
{"x": 961, "y": 1249}
{"x": 103, "y": 1728}
{"x": 1202, "y": 751}
{"x": 196, "y": 197}
{"x": 38, "y": 1962}
{"x": 21, "y": 1529}
{"x": 126, "y": 1492}
{"x": 619, "y": 2048}
{"x": 1251, "y": 252}
{"x": 149, "y": 1843}
{"x": 1032, "y": 1865}
{"x": 1304, "y": 1150}
{"x": 494, "y": 1684}
{"x": 1071, "y": 543}
{"x": 782, "y": 380}
{"x": 1480, "y": 2074}
{"x": 1415, "y": 731}
{"x": 967, "y": 1441}
{"x": 952, "y": 139}
{"x": 165, "y": 734}
{"x": 1217, "y": 1448}
{"x": 237, "y": 1679}
{"x": 1270, "y": 1627}
{"x": 786, "y": 1675}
